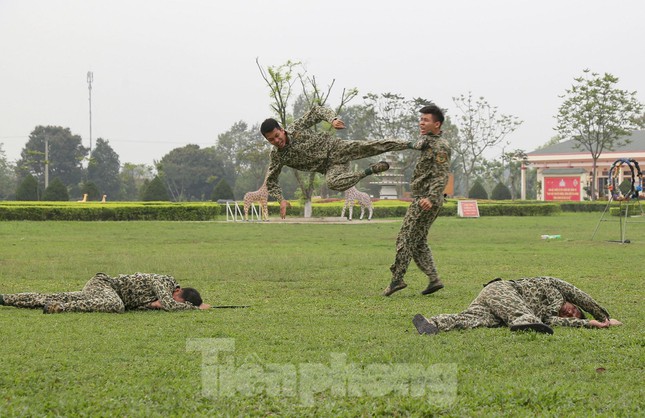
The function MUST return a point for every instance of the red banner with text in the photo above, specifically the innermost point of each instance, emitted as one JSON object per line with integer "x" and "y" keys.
{"x": 562, "y": 188}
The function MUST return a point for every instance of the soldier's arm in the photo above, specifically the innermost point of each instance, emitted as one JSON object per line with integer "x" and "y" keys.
{"x": 581, "y": 299}
{"x": 164, "y": 297}
{"x": 567, "y": 322}
{"x": 438, "y": 183}
{"x": 275, "y": 167}
{"x": 313, "y": 116}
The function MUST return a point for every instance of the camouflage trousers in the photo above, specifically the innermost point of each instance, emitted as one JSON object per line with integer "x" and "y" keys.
{"x": 339, "y": 175}
{"x": 412, "y": 243}
{"x": 498, "y": 304}
{"x": 97, "y": 296}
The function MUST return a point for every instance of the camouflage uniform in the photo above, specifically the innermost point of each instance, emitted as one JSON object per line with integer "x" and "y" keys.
{"x": 103, "y": 293}
{"x": 322, "y": 152}
{"x": 525, "y": 301}
{"x": 428, "y": 181}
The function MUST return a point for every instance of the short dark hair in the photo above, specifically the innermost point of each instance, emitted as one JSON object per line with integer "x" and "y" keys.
{"x": 268, "y": 125}
{"x": 433, "y": 110}
{"x": 191, "y": 295}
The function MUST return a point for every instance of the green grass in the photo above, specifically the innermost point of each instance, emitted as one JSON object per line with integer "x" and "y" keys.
{"x": 315, "y": 291}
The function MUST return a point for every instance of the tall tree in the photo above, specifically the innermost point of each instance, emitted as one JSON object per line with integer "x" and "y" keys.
{"x": 155, "y": 191}
{"x": 598, "y": 116}
{"x": 65, "y": 156}
{"x": 190, "y": 172}
{"x": 103, "y": 169}
{"x": 28, "y": 189}
{"x": 132, "y": 178}
{"x": 7, "y": 177}
{"x": 56, "y": 191}
{"x": 480, "y": 127}
{"x": 244, "y": 153}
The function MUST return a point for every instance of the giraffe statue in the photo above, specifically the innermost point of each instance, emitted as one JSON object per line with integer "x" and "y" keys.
{"x": 354, "y": 195}
{"x": 261, "y": 196}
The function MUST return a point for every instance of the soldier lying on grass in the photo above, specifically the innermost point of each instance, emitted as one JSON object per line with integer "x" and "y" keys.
{"x": 525, "y": 304}
{"x": 103, "y": 293}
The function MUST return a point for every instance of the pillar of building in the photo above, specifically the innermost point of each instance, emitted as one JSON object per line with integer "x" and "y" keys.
{"x": 523, "y": 182}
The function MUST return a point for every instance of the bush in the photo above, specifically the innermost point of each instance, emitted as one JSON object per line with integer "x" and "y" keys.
{"x": 156, "y": 191}
{"x": 477, "y": 191}
{"x": 92, "y": 191}
{"x": 27, "y": 189}
{"x": 501, "y": 192}
{"x": 222, "y": 191}
{"x": 56, "y": 191}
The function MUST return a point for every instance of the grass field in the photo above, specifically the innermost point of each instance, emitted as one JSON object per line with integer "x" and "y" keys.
{"x": 316, "y": 310}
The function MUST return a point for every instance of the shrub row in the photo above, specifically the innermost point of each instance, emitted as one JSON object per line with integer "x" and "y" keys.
{"x": 112, "y": 212}
{"x": 135, "y": 211}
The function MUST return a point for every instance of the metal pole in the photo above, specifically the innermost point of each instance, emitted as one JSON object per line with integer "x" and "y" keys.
{"x": 90, "y": 79}
{"x": 46, "y": 160}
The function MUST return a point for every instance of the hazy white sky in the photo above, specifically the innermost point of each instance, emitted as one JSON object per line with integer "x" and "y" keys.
{"x": 172, "y": 72}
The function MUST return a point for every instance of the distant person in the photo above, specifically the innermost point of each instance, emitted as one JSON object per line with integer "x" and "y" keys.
{"x": 427, "y": 185}
{"x": 526, "y": 304}
{"x": 305, "y": 149}
{"x": 103, "y": 293}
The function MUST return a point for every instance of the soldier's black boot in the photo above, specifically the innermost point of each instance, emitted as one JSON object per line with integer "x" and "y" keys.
{"x": 432, "y": 287}
{"x": 424, "y": 326}
{"x": 394, "y": 287}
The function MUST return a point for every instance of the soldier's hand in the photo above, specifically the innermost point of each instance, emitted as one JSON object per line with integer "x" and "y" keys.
{"x": 425, "y": 204}
{"x": 204, "y": 306}
{"x": 614, "y": 322}
{"x": 338, "y": 124}
{"x": 155, "y": 304}
{"x": 597, "y": 324}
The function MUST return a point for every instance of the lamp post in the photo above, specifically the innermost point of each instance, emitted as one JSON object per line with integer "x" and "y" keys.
{"x": 90, "y": 79}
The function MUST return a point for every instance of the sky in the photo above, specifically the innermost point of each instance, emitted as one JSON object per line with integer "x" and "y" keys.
{"x": 167, "y": 73}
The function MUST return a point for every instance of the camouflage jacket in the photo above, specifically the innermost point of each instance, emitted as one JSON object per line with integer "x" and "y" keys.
{"x": 546, "y": 295}
{"x": 431, "y": 172}
{"x": 138, "y": 290}
{"x": 306, "y": 149}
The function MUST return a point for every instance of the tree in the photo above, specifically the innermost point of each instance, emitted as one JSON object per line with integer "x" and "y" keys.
{"x": 103, "y": 169}
{"x": 28, "y": 189}
{"x": 190, "y": 172}
{"x": 597, "y": 116}
{"x": 244, "y": 154}
{"x": 500, "y": 192}
{"x": 155, "y": 191}
{"x": 65, "y": 155}
{"x": 56, "y": 191}
{"x": 92, "y": 190}
{"x": 222, "y": 191}
{"x": 7, "y": 177}
{"x": 640, "y": 121}
{"x": 132, "y": 179}
{"x": 480, "y": 127}
{"x": 477, "y": 191}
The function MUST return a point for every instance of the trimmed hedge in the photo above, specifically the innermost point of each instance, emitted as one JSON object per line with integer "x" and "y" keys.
{"x": 110, "y": 212}
{"x": 208, "y": 211}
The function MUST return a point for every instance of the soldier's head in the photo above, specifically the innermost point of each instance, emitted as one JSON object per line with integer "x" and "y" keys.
{"x": 273, "y": 132}
{"x": 431, "y": 119}
{"x": 187, "y": 294}
{"x": 569, "y": 310}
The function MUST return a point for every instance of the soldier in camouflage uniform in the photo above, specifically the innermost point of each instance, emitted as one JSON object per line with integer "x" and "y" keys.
{"x": 103, "y": 293}
{"x": 524, "y": 304}
{"x": 427, "y": 185}
{"x": 305, "y": 149}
